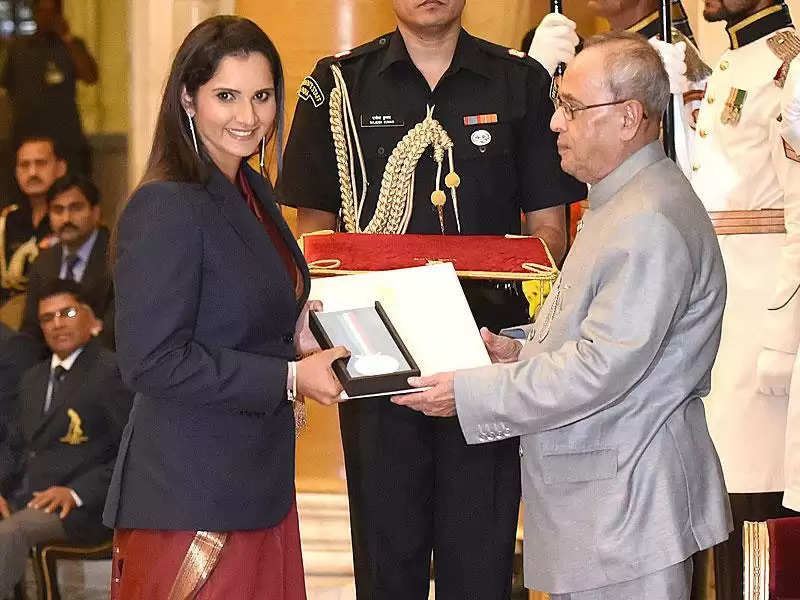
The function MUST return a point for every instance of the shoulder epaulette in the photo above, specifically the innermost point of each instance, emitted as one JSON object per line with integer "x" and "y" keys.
{"x": 785, "y": 45}
{"x": 512, "y": 54}
{"x": 378, "y": 43}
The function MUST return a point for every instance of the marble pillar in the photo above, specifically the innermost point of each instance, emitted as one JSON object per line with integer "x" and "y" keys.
{"x": 157, "y": 27}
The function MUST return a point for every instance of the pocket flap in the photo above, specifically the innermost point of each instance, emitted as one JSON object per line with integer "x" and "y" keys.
{"x": 575, "y": 467}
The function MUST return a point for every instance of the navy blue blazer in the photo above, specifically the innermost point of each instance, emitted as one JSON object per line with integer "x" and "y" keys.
{"x": 93, "y": 389}
{"x": 205, "y": 319}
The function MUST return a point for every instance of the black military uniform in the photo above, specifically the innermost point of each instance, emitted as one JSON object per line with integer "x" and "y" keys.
{"x": 413, "y": 482}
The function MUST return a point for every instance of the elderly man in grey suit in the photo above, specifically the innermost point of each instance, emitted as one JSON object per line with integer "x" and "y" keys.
{"x": 621, "y": 482}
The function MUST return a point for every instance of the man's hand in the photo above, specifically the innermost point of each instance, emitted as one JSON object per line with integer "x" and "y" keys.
{"x": 304, "y": 341}
{"x": 53, "y": 499}
{"x": 791, "y": 106}
{"x": 674, "y": 58}
{"x": 554, "y": 42}
{"x": 438, "y": 401}
{"x": 5, "y": 512}
{"x": 774, "y": 372}
{"x": 501, "y": 349}
{"x": 316, "y": 379}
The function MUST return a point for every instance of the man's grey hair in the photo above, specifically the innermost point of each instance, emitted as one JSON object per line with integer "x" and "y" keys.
{"x": 633, "y": 70}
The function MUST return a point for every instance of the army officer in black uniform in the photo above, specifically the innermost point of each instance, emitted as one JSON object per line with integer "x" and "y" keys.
{"x": 470, "y": 120}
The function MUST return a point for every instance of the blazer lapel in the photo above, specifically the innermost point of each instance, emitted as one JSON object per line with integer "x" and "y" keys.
{"x": 33, "y": 398}
{"x": 265, "y": 194}
{"x": 69, "y": 387}
{"x": 95, "y": 280}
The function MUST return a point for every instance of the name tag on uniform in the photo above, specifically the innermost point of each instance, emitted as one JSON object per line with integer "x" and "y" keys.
{"x": 381, "y": 121}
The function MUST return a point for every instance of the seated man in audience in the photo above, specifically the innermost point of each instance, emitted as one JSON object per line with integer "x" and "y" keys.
{"x": 18, "y": 353}
{"x": 72, "y": 409}
{"x": 24, "y": 226}
{"x": 73, "y": 204}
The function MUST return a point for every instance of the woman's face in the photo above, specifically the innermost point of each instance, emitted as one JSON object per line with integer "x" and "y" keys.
{"x": 235, "y": 109}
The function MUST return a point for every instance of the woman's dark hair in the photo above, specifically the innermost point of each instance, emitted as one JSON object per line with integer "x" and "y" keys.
{"x": 172, "y": 156}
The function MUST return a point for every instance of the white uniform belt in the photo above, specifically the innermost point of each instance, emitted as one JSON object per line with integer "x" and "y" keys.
{"x": 737, "y": 222}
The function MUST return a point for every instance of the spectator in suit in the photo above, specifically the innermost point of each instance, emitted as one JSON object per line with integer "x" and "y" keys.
{"x": 71, "y": 412}
{"x": 81, "y": 255}
{"x": 18, "y": 353}
{"x": 24, "y": 224}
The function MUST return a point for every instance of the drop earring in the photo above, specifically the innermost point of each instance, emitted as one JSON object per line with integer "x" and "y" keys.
{"x": 261, "y": 156}
{"x": 191, "y": 128}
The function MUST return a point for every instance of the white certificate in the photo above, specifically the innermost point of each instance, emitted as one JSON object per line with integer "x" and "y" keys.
{"x": 427, "y": 307}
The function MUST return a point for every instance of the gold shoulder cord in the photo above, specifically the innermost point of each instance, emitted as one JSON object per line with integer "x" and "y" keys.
{"x": 396, "y": 197}
{"x": 12, "y": 274}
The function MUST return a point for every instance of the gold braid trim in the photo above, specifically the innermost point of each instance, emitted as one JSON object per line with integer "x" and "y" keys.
{"x": 396, "y": 196}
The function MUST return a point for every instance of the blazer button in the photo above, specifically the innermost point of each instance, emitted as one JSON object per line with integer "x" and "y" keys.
{"x": 32, "y": 454}
{"x": 288, "y": 339}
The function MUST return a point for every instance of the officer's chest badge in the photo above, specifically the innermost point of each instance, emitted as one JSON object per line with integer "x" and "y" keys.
{"x": 733, "y": 107}
{"x": 481, "y": 138}
{"x": 53, "y": 75}
{"x": 74, "y": 434}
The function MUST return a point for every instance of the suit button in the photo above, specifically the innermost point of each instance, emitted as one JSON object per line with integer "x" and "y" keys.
{"x": 710, "y": 99}
{"x": 288, "y": 339}
{"x": 32, "y": 454}
{"x": 695, "y": 167}
{"x": 521, "y": 451}
{"x": 723, "y": 66}
{"x": 703, "y": 133}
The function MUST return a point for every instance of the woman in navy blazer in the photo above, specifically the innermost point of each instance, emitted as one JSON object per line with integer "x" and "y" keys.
{"x": 211, "y": 315}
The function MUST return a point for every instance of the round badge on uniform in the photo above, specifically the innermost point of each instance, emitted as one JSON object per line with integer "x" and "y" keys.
{"x": 481, "y": 138}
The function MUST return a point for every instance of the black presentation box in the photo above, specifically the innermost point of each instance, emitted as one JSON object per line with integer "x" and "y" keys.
{"x": 379, "y": 361}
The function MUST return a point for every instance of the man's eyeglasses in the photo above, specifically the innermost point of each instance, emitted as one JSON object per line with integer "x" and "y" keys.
{"x": 65, "y": 313}
{"x": 569, "y": 110}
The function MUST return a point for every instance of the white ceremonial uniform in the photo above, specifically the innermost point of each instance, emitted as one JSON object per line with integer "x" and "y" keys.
{"x": 740, "y": 162}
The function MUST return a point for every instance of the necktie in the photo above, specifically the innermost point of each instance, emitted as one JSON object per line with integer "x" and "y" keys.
{"x": 71, "y": 260}
{"x": 56, "y": 377}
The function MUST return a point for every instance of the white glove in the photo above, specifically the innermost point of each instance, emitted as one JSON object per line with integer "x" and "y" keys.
{"x": 554, "y": 42}
{"x": 791, "y": 105}
{"x": 774, "y": 372}
{"x": 674, "y": 57}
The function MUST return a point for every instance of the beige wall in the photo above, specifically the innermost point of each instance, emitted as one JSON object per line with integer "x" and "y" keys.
{"x": 103, "y": 25}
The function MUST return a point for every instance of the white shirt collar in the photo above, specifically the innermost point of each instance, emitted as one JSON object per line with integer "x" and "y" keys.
{"x": 67, "y": 362}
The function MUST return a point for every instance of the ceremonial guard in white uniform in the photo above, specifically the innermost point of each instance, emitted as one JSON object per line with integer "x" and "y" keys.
{"x": 748, "y": 177}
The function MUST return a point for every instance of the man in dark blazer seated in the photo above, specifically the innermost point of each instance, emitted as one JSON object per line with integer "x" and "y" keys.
{"x": 73, "y": 205}
{"x": 18, "y": 353}
{"x": 72, "y": 409}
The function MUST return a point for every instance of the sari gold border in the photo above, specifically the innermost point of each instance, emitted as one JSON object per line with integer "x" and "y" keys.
{"x": 201, "y": 558}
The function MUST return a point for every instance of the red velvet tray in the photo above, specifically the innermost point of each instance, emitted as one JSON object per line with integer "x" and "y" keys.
{"x": 473, "y": 256}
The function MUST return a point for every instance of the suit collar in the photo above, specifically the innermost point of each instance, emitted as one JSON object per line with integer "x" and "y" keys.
{"x": 67, "y": 363}
{"x": 650, "y": 25}
{"x": 605, "y": 189}
{"x": 236, "y": 211}
{"x": 467, "y": 55}
{"x": 76, "y": 376}
{"x": 755, "y": 27}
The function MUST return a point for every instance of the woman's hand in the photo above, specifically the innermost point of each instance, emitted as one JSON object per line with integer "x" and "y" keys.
{"x": 304, "y": 341}
{"x": 315, "y": 378}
